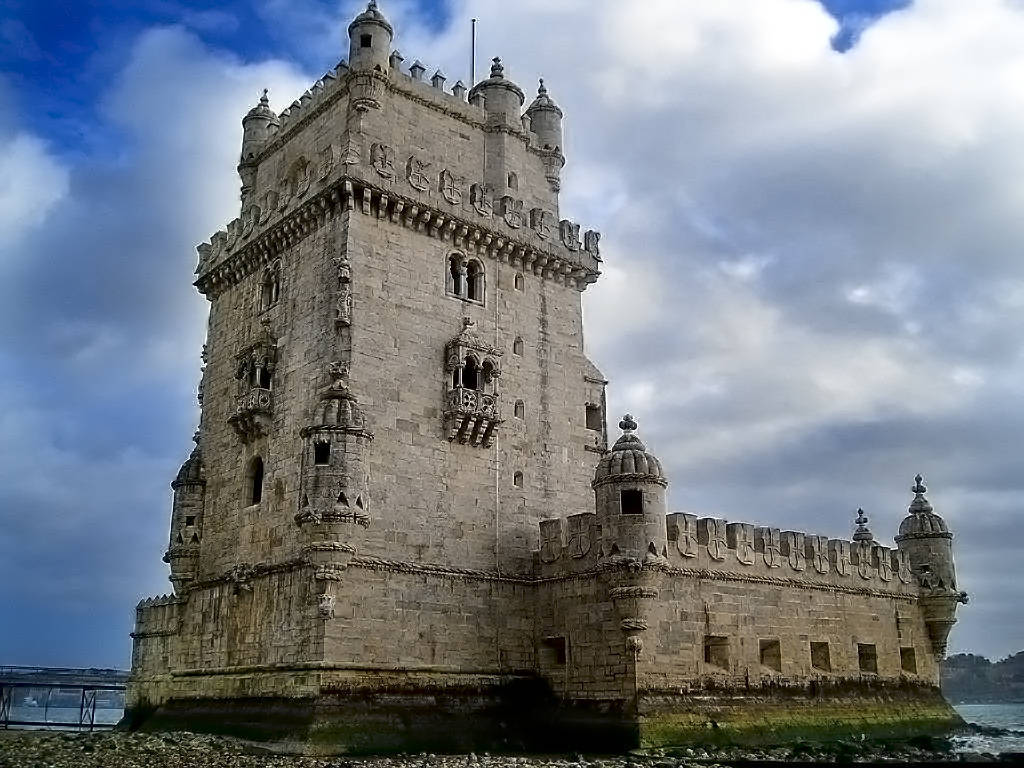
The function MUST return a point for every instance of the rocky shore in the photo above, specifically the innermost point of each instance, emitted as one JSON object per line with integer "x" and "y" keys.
{"x": 50, "y": 749}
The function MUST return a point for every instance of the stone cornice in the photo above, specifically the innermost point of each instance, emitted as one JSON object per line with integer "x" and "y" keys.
{"x": 350, "y": 192}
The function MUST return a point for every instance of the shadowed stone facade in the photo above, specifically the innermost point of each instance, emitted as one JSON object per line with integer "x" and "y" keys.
{"x": 402, "y": 527}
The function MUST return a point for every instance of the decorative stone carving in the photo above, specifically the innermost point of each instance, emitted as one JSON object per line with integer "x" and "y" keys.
{"x": 683, "y": 527}
{"x": 883, "y": 562}
{"x": 712, "y": 533}
{"x": 635, "y": 645}
{"x": 541, "y": 222}
{"x": 865, "y": 566}
{"x": 840, "y": 558}
{"x": 794, "y": 550}
{"x": 325, "y": 606}
{"x": 579, "y": 543}
{"x": 570, "y": 234}
{"x": 817, "y": 552}
{"x": 471, "y": 410}
{"x": 740, "y": 537}
{"x": 901, "y": 561}
{"x": 343, "y": 306}
{"x": 769, "y": 543}
{"x": 550, "y": 540}
{"x": 480, "y": 198}
{"x": 328, "y": 161}
{"x": 382, "y": 158}
{"x": 451, "y": 187}
{"x": 416, "y": 173}
{"x": 591, "y": 241}
{"x": 512, "y": 211}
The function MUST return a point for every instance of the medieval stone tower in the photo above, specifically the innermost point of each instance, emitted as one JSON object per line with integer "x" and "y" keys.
{"x": 367, "y": 545}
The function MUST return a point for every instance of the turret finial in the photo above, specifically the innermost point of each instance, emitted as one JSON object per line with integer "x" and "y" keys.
{"x": 497, "y": 70}
{"x": 628, "y": 424}
{"x": 372, "y": 5}
{"x": 920, "y": 504}
{"x": 541, "y": 90}
{"x": 862, "y": 533}
{"x": 263, "y": 99}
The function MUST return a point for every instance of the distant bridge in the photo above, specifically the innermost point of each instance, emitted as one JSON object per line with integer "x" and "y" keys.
{"x": 29, "y": 695}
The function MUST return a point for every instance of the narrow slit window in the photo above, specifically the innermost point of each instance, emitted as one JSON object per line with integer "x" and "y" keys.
{"x": 520, "y": 409}
{"x": 256, "y": 481}
{"x": 519, "y": 281}
{"x": 518, "y": 346}
{"x": 631, "y": 501}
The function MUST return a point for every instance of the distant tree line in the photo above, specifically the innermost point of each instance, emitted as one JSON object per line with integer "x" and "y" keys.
{"x": 968, "y": 678}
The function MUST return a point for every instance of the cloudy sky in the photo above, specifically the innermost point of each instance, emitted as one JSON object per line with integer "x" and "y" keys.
{"x": 813, "y": 282}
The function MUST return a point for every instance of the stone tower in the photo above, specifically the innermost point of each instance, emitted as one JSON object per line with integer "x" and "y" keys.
{"x": 401, "y": 527}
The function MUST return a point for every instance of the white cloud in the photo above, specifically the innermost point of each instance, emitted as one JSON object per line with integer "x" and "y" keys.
{"x": 32, "y": 181}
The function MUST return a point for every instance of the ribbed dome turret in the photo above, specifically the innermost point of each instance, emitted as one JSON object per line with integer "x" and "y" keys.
{"x": 262, "y": 110}
{"x": 921, "y": 518}
{"x": 543, "y": 102}
{"x": 629, "y": 458}
{"x": 371, "y": 15}
{"x": 192, "y": 471}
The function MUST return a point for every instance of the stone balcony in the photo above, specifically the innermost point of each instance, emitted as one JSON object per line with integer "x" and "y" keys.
{"x": 253, "y": 412}
{"x": 471, "y": 416}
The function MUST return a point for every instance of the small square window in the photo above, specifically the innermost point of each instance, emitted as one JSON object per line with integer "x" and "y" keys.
{"x": 595, "y": 418}
{"x": 191, "y": 520}
{"x": 631, "y": 501}
{"x": 908, "y": 660}
{"x": 867, "y": 658}
{"x": 716, "y": 651}
{"x": 821, "y": 660}
{"x": 553, "y": 651}
{"x": 322, "y": 453}
{"x": 365, "y": 41}
{"x": 771, "y": 654}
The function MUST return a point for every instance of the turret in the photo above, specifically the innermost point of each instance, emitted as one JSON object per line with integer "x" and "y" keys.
{"x": 255, "y": 131}
{"x": 369, "y": 37}
{"x": 545, "y": 120}
{"x": 929, "y": 547}
{"x": 189, "y": 488}
{"x": 629, "y": 488}
{"x": 503, "y": 99}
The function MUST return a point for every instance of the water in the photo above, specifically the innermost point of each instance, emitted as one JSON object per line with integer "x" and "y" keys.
{"x": 61, "y": 717}
{"x": 1003, "y": 726}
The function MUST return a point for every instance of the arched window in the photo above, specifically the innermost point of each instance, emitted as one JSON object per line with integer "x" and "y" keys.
{"x": 487, "y": 375}
{"x": 270, "y": 288}
{"x": 263, "y": 377}
{"x": 255, "y": 480}
{"x": 471, "y": 374}
{"x": 456, "y": 276}
{"x": 517, "y": 479}
{"x": 474, "y": 281}
{"x": 519, "y": 281}
{"x": 518, "y": 346}
{"x": 513, "y": 181}
{"x": 520, "y": 410}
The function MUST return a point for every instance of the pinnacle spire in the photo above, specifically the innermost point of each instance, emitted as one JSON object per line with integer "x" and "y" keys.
{"x": 541, "y": 89}
{"x": 862, "y": 533}
{"x": 497, "y": 70}
{"x": 628, "y": 424}
{"x": 920, "y": 505}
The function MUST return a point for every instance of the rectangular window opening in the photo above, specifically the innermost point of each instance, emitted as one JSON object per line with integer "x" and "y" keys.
{"x": 553, "y": 651}
{"x": 595, "y": 418}
{"x": 908, "y": 660}
{"x": 820, "y": 657}
{"x": 191, "y": 520}
{"x": 365, "y": 41}
{"x": 322, "y": 453}
{"x": 771, "y": 654}
{"x": 867, "y": 658}
{"x": 716, "y": 651}
{"x": 631, "y": 501}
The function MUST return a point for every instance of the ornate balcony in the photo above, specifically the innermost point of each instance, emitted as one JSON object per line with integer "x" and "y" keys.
{"x": 471, "y": 416}
{"x": 251, "y": 418}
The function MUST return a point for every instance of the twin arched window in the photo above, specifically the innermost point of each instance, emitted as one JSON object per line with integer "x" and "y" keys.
{"x": 473, "y": 375}
{"x": 465, "y": 278}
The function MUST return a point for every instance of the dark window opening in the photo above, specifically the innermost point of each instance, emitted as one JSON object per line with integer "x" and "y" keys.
{"x": 519, "y": 281}
{"x": 190, "y": 519}
{"x": 520, "y": 410}
{"x": 595, "y": 418}
{"x": 517, "y": 479}
{"x": 518, "y": 346}
{"x": 263, "y": 378}
{"x": 470, "y": 374}
{"x": 322, "y": 453}
{"x": 553, "y": 651}
{"x": 256, "y": 481}
{"x": 820, "y": 657}
{"x": 365, "y": 41}
{"x": 455, "y": 270}
{"x": 771, "y": 654}
{"x": 513, "y": 182}
{"x": 359, "y": 501}
{"x": 908, "y": 660}
{"x": 716, "y": 651}
{"x": 867, "y": 658}
{"x": 474, "y": 282}
{"x": 487, "y": 373}
{"x": 631, "y": 501}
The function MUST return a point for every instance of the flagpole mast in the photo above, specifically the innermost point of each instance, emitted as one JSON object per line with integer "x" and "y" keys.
{"x": 472, "y": 56}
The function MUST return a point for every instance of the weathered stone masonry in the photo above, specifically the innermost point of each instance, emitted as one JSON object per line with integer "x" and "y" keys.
{"x": 383, "y": 539}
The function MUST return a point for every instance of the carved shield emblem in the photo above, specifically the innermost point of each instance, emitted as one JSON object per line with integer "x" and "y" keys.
{"x": 740, "y": 537}
{"x": 512, "y": 211}
{"x": 712, "y": 533}
{"x": 685, "y": 529}
{"x": 902, "y": 563}
{"x": 550, "y": 540}
{"x": 817, "y": 553}
{"x": 579, "y": 535}
{"x": 416, "y": 173}
{"x": 769, "y": 541}
{"x": 591, "y": 243}
{"x": 540, "y": 222}
{"x": 794, "y": 550}
{"x": 480, "y": 197}
{"x": 839, "y": 557}
{"x": 865, "y": 568}
{"x": 328, "y": 159}
{"x": 451, "y": 187}
{"x": 570, "y": 234}
{"x": 883, "y": 562}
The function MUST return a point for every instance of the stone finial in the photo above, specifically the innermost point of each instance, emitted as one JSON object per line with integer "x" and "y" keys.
{"x": 459, "y": 89}
{"x": 541, "y": 90}
{"x": 264, "y": 99}
{"x": 438, "y": 79}
{"x": 497, "y": 70}
{"x": 920, "y": 505}
{"x": 862, "y": 533}
{"x": 417, "y": 69}
{"x": 628, "y": 424}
